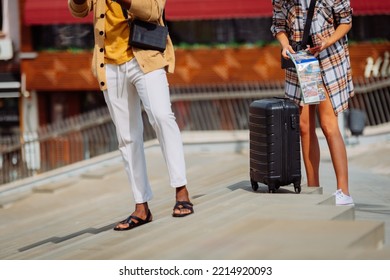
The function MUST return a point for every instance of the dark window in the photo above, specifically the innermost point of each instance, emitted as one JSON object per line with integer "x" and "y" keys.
{"x": 370, "y": 28}
{"x": 9, "y": 116}
{"x": 207, "y": 32}
{"x": 224, "y": 31}
{"x": 62, "y": 36}
{"x": 1, "y": 15}
{"x": 253, "y": 30}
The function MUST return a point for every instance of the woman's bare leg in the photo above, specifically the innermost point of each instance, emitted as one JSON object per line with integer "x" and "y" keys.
{"x": 310, "y": 145}
{"x": 338, "y": 153}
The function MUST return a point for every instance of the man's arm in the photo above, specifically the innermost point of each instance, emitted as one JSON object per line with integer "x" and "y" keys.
{"x": 124, "y": 3}
{"x": 148, "y": 10}
{"x": 79, "y": 8}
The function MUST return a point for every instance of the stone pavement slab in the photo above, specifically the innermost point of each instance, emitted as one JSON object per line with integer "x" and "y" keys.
{"x": 71, "y": 216}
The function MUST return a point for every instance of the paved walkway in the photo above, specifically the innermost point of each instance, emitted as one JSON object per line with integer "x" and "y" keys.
{"x": 369, "y": 174}
{"x": 69, "y": 213}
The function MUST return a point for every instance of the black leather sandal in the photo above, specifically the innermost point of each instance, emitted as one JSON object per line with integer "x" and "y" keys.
{"x": 180, "y": 205}
{"x": 129, "y": 221}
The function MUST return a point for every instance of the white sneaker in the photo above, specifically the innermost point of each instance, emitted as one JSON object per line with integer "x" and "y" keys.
{"x": 343, "y": 199}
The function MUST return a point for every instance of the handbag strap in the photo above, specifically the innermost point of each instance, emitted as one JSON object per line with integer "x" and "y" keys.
{"x": 306, "y": 30}
{"x": 126, "y": 15}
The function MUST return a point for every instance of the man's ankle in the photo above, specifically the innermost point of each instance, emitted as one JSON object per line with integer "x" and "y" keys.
{"x": 182, "y": 194}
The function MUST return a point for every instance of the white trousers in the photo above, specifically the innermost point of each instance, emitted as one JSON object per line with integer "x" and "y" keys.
{"x": 127, "y": 87}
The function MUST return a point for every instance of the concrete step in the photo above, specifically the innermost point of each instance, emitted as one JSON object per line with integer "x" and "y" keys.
{"x": 210, "y": 214}
{"x": 7, "y": 200}
{"x": 70, "y": 215}
{"x": 258, "y": 239}
{"x": 252, "y": 238}
{"x": 231, "y": 221}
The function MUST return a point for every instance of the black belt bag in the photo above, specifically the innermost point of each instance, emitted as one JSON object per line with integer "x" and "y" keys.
{"x": 148, "y": 36}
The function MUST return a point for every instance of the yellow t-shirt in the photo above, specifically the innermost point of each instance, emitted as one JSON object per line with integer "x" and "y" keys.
{"x": 116, "y": 47}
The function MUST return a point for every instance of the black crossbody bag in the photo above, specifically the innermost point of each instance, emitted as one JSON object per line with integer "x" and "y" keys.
{"x": 146, "y": 35}
{"x": 287, "y": 63}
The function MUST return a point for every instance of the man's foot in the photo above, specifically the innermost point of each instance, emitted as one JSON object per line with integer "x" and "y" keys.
{"x": 133, "y": 221}
{"x": 182, "y": 208}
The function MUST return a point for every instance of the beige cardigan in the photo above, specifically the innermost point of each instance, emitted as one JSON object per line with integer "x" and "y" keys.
{"x": 147, "y": 10}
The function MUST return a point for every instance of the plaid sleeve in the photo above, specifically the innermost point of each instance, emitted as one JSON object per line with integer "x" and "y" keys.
{"x": 279, "y": 23}
{"x": 342, "y": 12}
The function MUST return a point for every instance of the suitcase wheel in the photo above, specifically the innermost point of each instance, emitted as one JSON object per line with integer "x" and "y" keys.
{"x": 272, "y": 188}
{"x": 297, "y": 188}
{"x": 255, "y": 185}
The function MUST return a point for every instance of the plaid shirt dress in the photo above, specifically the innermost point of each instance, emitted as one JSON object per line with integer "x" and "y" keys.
{"x": 289, "y": 16}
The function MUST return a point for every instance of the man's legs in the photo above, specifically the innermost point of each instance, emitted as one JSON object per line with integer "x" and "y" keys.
{"x": 153, "y": 90}
{"x": 125, "y": 110}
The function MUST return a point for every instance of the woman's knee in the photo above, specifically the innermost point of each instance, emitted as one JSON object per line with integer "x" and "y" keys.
{"x": 307, "y": 120}
{"x": 306, "y": 127}
{"x": 330, "y": 128}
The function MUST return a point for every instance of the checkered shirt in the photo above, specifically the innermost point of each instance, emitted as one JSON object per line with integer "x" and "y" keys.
{"x": 289, "y": 16}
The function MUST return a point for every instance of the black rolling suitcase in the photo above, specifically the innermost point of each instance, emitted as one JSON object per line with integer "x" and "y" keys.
{"x": 274, "y": 141}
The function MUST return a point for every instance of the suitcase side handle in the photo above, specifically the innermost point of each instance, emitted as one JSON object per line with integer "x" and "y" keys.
{"x": 294, "y": 121}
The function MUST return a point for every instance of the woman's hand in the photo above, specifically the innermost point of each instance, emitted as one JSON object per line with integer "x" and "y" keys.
{"x": 285, "y": 44}
{"x": 285, "y": 49}
{"x": 319, "y": 48}
{"x": 340, "y": 32}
